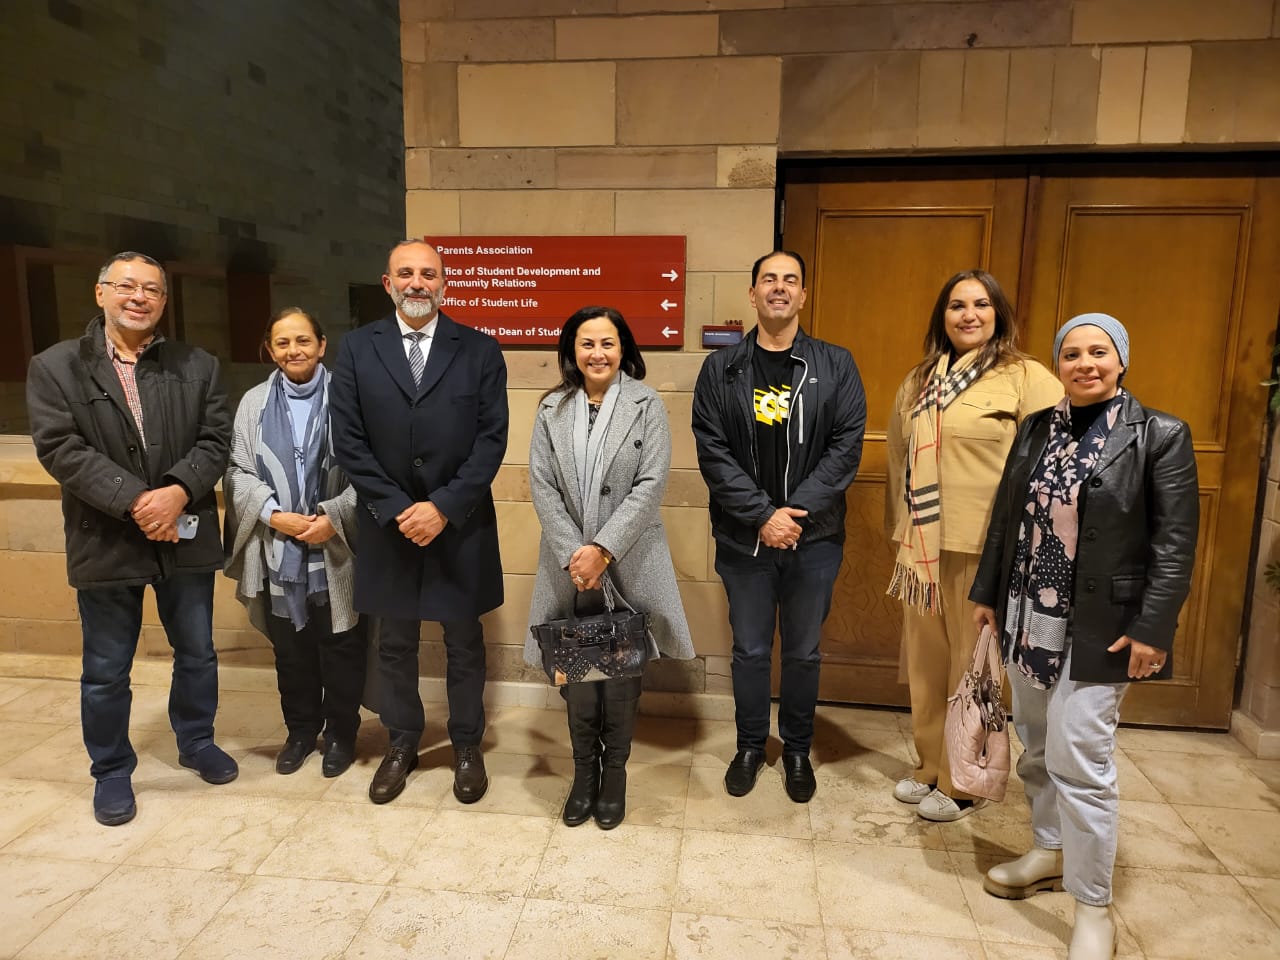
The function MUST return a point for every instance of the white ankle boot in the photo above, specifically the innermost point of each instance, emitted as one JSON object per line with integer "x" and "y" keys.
{"x": 1037, "y": 869}
{"x": 1094, "y": 934}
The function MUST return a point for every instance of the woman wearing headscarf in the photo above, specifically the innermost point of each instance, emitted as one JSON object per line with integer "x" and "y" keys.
{"x": 1086, "y": 565}
{"x": 290, "y": 519}
{"x": 953, "y": 421}
{"x": 598, "y": 465}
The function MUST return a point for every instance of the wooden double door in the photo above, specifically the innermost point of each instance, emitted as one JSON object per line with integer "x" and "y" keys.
{"x": 1187, "y": 255}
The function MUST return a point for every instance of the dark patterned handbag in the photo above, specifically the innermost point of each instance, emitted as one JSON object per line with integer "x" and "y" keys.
{"x": 600, "y": 646}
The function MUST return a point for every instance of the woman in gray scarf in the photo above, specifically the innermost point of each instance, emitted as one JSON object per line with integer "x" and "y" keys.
{"x": 290, "y": 516}
{"x": 598, "y": 466}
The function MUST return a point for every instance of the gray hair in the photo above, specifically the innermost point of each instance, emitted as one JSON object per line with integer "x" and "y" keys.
{"x": 129, "y": 256}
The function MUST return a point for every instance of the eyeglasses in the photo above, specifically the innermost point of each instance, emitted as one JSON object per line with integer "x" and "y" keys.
{"x": 127, "y": 288}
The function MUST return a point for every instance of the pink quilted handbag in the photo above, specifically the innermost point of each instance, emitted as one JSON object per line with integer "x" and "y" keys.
{"x": 976, "y": 729}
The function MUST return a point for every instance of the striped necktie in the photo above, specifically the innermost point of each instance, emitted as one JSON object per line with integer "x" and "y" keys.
{"x": 417, "y": 362}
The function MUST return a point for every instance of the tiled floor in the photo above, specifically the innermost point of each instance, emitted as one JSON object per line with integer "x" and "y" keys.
{"x": 300, "y": 866}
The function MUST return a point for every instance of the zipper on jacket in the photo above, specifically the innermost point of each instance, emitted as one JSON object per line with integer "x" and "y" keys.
{"x": 796, "y": 399}
{"x": 748, "y": 371}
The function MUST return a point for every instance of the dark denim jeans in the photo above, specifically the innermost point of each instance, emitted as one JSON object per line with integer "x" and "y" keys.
{"x": 111, "y": 619}
{"x": 790, "y": 589}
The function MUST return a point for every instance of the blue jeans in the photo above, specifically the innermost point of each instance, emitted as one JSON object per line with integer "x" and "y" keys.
{"x": 790, "y": 589}
{"x": 111, "y": 620}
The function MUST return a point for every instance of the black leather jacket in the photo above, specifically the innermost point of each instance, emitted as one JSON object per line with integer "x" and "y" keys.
{"x": 1139, "y": 517}
{"x": 824, "y": 440}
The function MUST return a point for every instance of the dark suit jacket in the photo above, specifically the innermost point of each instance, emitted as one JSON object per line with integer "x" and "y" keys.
{"x": 1139, "y": 518}
{"x": 441, "y": 442}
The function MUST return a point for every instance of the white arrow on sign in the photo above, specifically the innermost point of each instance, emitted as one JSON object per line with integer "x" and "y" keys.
{"x": 670, "y": 275}
{"x": 668, "y": 333}
{"x": 668, "y": 304}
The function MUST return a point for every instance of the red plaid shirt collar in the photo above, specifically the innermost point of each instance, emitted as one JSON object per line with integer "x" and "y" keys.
{"x": 126, "y": 371}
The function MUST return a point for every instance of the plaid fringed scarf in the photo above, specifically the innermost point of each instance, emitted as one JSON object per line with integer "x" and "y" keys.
{"x": 915, "y": 574}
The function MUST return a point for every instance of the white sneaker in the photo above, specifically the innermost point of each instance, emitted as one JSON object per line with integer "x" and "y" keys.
{"x": 940, "y": 808}
{"x": 911, "y": 790}
{"x": 1094, "y": 935}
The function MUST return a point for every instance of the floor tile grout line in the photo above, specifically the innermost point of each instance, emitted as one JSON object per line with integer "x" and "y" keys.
{"x": 1178, "y": 813}
{"x": 1258, "y": 903}
{"x": 83, "y": 893}
{"x": 244, "y": 880}
{"x": 524, "y": 905}
{"x": 386, "y": 890}
{"x": 542, "y": 857}
{"x": 817, "y": 883}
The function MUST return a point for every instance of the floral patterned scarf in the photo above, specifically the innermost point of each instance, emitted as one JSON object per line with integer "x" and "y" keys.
{"x": 1044, "y": 562}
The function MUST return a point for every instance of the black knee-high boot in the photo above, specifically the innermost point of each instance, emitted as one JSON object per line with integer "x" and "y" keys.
{"x": 585, "y": 709}
{"x": 621, "y": 703}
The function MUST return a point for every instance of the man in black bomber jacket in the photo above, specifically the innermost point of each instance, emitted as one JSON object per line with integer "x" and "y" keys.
{"x": 778, "y": 421}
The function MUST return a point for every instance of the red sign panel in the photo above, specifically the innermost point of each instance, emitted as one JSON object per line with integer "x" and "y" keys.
{"x": 522, "y": 289}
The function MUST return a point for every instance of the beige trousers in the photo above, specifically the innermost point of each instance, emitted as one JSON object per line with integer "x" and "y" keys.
{"x": 938, "y": 650}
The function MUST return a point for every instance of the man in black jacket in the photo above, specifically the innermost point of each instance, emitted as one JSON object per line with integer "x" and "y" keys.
{"x": 778, "y": 421}
{"x": 136, "y": 428}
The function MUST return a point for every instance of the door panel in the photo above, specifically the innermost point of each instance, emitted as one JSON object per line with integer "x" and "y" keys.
{"x": 878, "y": 251}
{"x": 1123, "y": 259}
{"x": 1189, "y": 265}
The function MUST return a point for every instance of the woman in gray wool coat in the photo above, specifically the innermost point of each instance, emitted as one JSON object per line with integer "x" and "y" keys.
{"x": 598, "y": 466}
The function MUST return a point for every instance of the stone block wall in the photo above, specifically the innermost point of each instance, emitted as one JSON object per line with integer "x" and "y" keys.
{"x": 669, "y": 116}
{"x": 224, "y": 134}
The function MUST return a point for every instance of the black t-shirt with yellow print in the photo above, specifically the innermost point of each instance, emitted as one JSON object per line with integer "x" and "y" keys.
{"x": 772, "y": 372}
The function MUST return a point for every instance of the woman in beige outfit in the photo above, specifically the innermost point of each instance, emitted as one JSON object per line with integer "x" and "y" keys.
{"x": 954, "y": 419}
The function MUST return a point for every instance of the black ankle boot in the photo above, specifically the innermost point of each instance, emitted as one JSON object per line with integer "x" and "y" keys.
{"x": 621, "y": 703}
{"x": 584, "y": 712}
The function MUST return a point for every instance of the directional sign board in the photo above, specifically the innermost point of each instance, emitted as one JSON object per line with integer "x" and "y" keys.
{"x": 522, "y": 289}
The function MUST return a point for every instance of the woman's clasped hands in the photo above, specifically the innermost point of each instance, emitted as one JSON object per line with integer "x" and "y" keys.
{"x": 586, "y": 565}
{"x": 315, "y": 528}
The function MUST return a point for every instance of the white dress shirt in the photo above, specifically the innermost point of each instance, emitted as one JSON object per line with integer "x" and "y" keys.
{"x": 425, "y": 344}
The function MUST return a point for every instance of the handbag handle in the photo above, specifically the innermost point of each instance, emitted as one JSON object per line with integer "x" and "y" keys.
{"x": 986, "y": 658}
{"x": 612, "y": 600}
{"x": 986, "y": 671}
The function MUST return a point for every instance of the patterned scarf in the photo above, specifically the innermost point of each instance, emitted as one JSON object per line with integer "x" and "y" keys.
{"x": 1044, "y": 561}
{"x": 295, "y": 570}
{"x": 589, "y": 435}
{"x": 915, "y": 574}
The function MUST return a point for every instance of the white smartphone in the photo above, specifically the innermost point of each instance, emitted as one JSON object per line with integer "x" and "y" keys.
{"x": 188, "y": 524}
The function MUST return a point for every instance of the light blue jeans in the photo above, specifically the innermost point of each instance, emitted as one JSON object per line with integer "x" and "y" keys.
{"x": 1068, "y": 770}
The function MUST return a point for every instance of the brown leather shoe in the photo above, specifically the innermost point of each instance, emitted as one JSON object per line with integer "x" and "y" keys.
{"x": 469, "y": 778}
{"x": 392, "y": 774}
